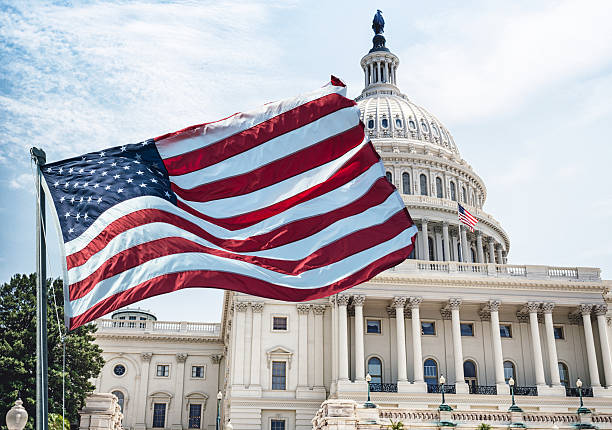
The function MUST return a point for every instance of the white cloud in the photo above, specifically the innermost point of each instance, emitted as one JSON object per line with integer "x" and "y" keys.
{"x": 25, "y": 181}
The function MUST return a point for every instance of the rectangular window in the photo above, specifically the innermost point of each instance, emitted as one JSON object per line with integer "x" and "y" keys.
{"x": 467, "y": 329}
{"x": 373, "y": 326}
{"x": 163, "y": 370}
{"x": 428, "y": 328}
{"x": 279, "y": 375}
{"x": 197, "y": 371}
{"x": 558, "y": 330}
{"x": 195, "y": 416}
{"x": 505, "y": 330}
{"x": 159, "y": 415}
{"x": 279, "y": 323}
{"x": 277, "y": 424}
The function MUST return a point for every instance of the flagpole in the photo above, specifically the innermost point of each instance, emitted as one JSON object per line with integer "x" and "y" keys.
{"x": 42, "y": 384}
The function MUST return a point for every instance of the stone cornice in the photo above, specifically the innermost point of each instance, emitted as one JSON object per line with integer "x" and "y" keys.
{"x": 147, "y": 337}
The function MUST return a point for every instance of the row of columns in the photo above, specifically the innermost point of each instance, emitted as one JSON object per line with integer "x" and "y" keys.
{"x": 383, "y": 71}
{"x": 491, "y": 309}
{"x": 443, "y": 240}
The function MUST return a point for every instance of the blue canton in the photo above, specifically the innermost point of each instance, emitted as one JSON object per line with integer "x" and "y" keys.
{"x": 85, "y": 187}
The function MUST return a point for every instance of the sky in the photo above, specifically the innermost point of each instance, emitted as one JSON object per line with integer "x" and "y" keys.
{"x": 524, "y": 87}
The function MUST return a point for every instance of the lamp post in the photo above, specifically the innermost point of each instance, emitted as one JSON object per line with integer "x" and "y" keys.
{"x": 513, "y": 407}
{"x": 443, "y": 406}
{"x": 369, "y": 404}
{"x": 219, "y": 397}
{"x": 17, "y": 416}
{"x": 581, "y": 409}
{"x": 229, "y": 426}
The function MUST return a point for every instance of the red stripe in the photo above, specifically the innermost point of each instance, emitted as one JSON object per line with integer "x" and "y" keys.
{"x": 231, "y": 281}
{"x": 331, "y": 253}
{"x": 276, "y": 171}
{"x": 362, "y": 161}
{"x": 284, "y": 234}
{"x": 251, "y": 137}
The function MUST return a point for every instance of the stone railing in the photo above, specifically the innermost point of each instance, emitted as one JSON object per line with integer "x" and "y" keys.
{"x": 101, "y": 412}
{"x": 499, "y": 270}
{"x": 176, "y": 327}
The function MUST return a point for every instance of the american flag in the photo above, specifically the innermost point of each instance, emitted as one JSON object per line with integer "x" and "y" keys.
{"x": 289, "y": 202}
{"x": 466, "y": 217}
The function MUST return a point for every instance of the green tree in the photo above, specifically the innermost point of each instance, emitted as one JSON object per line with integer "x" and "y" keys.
{"x": 18, "y": 351}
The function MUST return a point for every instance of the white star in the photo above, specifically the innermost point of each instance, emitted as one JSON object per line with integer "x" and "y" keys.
{"x": 92, "y": 171}
{"x": 102, "y": 154}
{"x": 104, "y": 173}
{"x": 67, "y": 214}
{"x": 86, "y": 184}
{"x": 143, "y": 185}
{"x": 120, "y": 190}
{"x": 96, "y": 185}
{"x": 72, "y": 200}
{"x": 126, "y": 167}
{"x": 136, "y": 162}
{"x": 60, "y": 170}
{"x": 70, "y": 170}
{"x": 140, "y": 172}
{"x": 62, "y": 199}
{"x": 56, "y": 184}
{"x": 107, "y": 187}
{"x": 71, "y": 230}
{"x": 99, "y": 200}
{"x": 81, "y": 200}
{"x": 154, "y": 180}
{"x": 67, "y": 184}
{"x": 123, "y": 148}
{"x": 89, "y": 199}
{"x": 138, "y": 156}
{"x": 81, "y": 170}
{"x": 49, "y": 170}
{"x": 167, "y": 194}
{"x": 116, "y": 176}
{"x": 130, "y": 180}
{"x": 101, "y": 162}
{"x": 76, "y": 184}
{"x": 78, "y": 216}
{"x": 145, "y": 143}
{"x": 114, "y": 164}
{"x": 85, "y": 216}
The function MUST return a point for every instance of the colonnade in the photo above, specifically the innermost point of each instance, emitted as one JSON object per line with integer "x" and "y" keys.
{"x": 448, "y": 238}
{"x": 379, "y": 70}
{"x": 490, "y": 311}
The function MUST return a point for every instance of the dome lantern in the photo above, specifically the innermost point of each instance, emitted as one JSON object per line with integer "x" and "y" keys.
{"x": 380, "y": 64}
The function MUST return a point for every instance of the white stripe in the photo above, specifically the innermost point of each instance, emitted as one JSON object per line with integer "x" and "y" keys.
{"x": 274, "y": 149}
{"x": 292, "y": 251}
{"x": 264, "y": 197}
{"x": 327, "y": 202}
{"x": 210, "y": 133}
{"x": 315, "y": 278}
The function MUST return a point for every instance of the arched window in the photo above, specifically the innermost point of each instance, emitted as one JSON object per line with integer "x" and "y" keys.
{"x": 463, "y": 195}
{"x": 405, "y": 183}
{"x": 469, "y": 373}
{"x": 453, "y": 191}
{"x": 398, "y": 123}
{"x": 439, "y": 188}
{"x": 120, "y": 397}
{"x": 384, "y": 123}
{"x": 370, "y": 123}
{"x": 435, "y": 130}
{"x": 424, "y": 126}
{"x": 564, "y": 374}
{"x": 509, "y": 371}
{"x": 412, "y": 124}
{"x": 375, "y": 370}
{"x": 430, "y": 371}
{"x": 423, "y": 180}
{"x": 389, "y": 177}
{"x": 430, "y": 243}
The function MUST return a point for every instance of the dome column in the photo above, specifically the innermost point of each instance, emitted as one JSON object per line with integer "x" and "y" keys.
{"x": 445, "y": 243}
{"x": 500, "y": 255}
{"x": 491, "y": 250}
{"x": 425, "y": 240}
{"x": 464, "y": 244}
{"x": 479, "y": 250}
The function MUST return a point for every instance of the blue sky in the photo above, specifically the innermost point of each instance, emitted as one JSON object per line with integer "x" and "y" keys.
{"x": 524, "y": 87}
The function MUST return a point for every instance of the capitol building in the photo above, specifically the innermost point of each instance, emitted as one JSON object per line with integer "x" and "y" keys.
{"x": 456, "y": 311}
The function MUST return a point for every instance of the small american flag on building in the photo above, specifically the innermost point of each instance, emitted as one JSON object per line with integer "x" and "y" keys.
{"x": 466, "y": 218}
{"x": 288, "y": 201}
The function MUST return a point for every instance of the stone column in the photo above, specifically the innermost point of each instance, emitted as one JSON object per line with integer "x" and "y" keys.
{"x": 343, "y": 371}
{"x": 460, "y": 385}
{"x": 491, "y": 250}
{"x": 600, "y": 311}
{"x": 465, "y": 255}
{"x": 398, "y": 303}
{"x": 498, "y": 355}
{"x": 240, "y": 318}
{"x": 500, "y": 255}
{"x": 303, "y": 310}
{"x": 439, "y": 250}
{"x": 479, "y": 250}
{"x": 585, "y": 310}
{"x": 365, "y": 73}
{"x": 553, "y": 361}
{"x": 417, "y": 354}
{"x": 445, "y": 241}
{"x": 318, "y": 310}
{"x": 454, "y": 243}
{"x": 359, "y": 349}
{"x": 378, "y": 75}
{"x": 256, "y": 344}
{"x": 334, "y": 338}
{"x": 424, "y": 240}
{"x": 143, "y": 394}
{"x": 176, "y": 413}
{"x": 536, "y": 347}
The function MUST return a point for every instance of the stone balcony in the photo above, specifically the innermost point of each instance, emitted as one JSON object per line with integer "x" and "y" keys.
{"x": 116, "y": 326}
{"x": 531, "y": 272}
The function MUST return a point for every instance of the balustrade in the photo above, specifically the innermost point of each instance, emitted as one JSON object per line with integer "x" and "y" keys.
{"x": 573, "y": 392}
{"x": 385, "y": 387}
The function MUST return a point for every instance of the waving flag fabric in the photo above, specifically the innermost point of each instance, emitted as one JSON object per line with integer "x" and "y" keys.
{"x": 466, "y": 218}
{"x": 289, "y": 202}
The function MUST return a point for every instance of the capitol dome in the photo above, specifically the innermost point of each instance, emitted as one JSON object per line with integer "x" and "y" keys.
{"x": 422, "y": 160}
